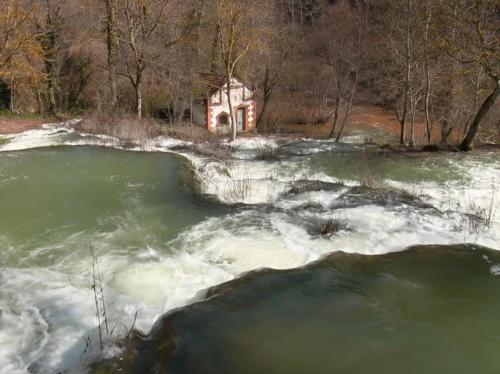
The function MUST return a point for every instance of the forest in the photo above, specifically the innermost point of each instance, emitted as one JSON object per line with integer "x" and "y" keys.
{"x": 309, "y": 61}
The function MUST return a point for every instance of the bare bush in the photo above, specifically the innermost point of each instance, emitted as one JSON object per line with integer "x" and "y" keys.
{"x": 191, "y": 133}
{"x": 219, "y": 151}
{"x": 477, "y": 218}
{"x": 365, "y": 173}
{"x": 306, "y": 186}
{"x": 128, "y": 129}
{"x": 331, "y": 227}
{"x": 483, "y": 214}
{"x": 267, "y": 152}
{"x": 239, "y": 190}
{"x": 269, "y": 127}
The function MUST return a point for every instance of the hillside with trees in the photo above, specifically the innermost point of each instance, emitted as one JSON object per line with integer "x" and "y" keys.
{"x": 310, "y": 61}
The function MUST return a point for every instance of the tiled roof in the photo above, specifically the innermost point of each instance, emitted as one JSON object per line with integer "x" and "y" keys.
{"x": 206, "y": 85}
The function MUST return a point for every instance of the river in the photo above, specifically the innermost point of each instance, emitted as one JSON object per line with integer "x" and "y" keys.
{"x": 162, "y": 241}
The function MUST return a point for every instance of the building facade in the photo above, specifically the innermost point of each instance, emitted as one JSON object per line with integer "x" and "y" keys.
{"x": 211, "y": 110}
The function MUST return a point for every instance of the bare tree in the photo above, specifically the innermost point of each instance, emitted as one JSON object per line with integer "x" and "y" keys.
{"x": 142, "y": 20}
{"x": 112, "y": 49}
{"x": 50, "y": 38}
{"x": 476, "y": 43}
{"x": 236, "y": 38}
{"x": 426, "y": 57}
{"x": 345, "y": 32}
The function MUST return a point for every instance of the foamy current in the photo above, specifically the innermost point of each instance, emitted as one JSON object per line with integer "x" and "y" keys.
{"x": 47, "y": 314}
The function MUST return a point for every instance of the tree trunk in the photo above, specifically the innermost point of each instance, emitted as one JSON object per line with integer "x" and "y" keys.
{"x": 466, "y": 144}
{"x": 412, "y": 124}
{"x": 12, "y": 105}
{"x": 214, "y": 51}
{"x": 138, "y": 94}
{"x": 50, "y": 46}
{"x": 428, "y": 126}
{"x": 349, "y": 106}
{"x": 52, "y": 75}
{"x": 112, "y": 41}
{"x": 52, "y": 97}
{"x": 335, "y": 117}
{"x": 39, "y": 99}
{"x": 402, "y": 123}
{"x": 231, "y": 110}
{"x": 268, "y": 90}
{"x": 407, "y": 86}
{"x": 265, "y": 101}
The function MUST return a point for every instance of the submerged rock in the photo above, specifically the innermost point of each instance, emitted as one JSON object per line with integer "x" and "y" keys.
{"x": 364, "y": 195}
{"x": 305, "y": 185}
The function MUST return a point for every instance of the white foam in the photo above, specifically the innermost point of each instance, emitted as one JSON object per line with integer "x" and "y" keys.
{"x": 495, "y": 270}
{"x": 48, "y": 135}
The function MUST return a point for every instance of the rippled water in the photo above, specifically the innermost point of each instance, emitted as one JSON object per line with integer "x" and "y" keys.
{"x": 55, "y": 204}
{"x": 160, "y": 245}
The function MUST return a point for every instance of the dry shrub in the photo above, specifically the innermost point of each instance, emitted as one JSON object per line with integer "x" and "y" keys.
{"x": 306, "y": 186}
{"x": 238, "y": 190}
{"x": 267, "y": 152}
{"x": 191, "y": 133}
{"x": 203, "y": 142}
{"x": 219, "y": 151}
{"x": 271, "y": 123}
{"x": 269, "y": 127}
{"x": 129, "y": 129}
{"x": 366, "y": 175}
{"x": 331, "y": 227}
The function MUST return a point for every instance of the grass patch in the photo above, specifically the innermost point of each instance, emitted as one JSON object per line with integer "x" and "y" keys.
{"x": 3, "y": 140}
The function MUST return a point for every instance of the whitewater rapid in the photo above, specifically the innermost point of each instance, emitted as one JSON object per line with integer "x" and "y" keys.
{"x": 43, "y": 319}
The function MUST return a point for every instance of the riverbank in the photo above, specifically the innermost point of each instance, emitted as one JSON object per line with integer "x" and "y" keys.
{"x": 367, "y": 124}
{"x": 16, "y": 126}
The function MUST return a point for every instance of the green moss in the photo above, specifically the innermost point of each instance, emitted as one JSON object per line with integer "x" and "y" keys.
{"x": 3, "y": 140}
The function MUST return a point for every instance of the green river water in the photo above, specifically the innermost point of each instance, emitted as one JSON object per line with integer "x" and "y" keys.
{"x": 160, "y": 245}
{"x": 52, "y": 194}
{"x": 427, "y": 310}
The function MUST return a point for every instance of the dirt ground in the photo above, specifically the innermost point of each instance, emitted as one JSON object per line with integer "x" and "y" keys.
{"x": 364, "y": 119}
{"x": 14, "y": 125}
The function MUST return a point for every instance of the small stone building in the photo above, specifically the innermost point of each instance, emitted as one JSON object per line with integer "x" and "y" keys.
{"x": 210, "y": 107}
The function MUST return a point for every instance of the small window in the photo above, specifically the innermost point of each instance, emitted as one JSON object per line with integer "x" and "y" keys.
{"x": 223, "y": 119}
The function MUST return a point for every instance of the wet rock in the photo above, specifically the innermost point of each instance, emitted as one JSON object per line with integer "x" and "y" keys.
{"x": 305, "y": 185}
{"x": 363, "y": 195}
